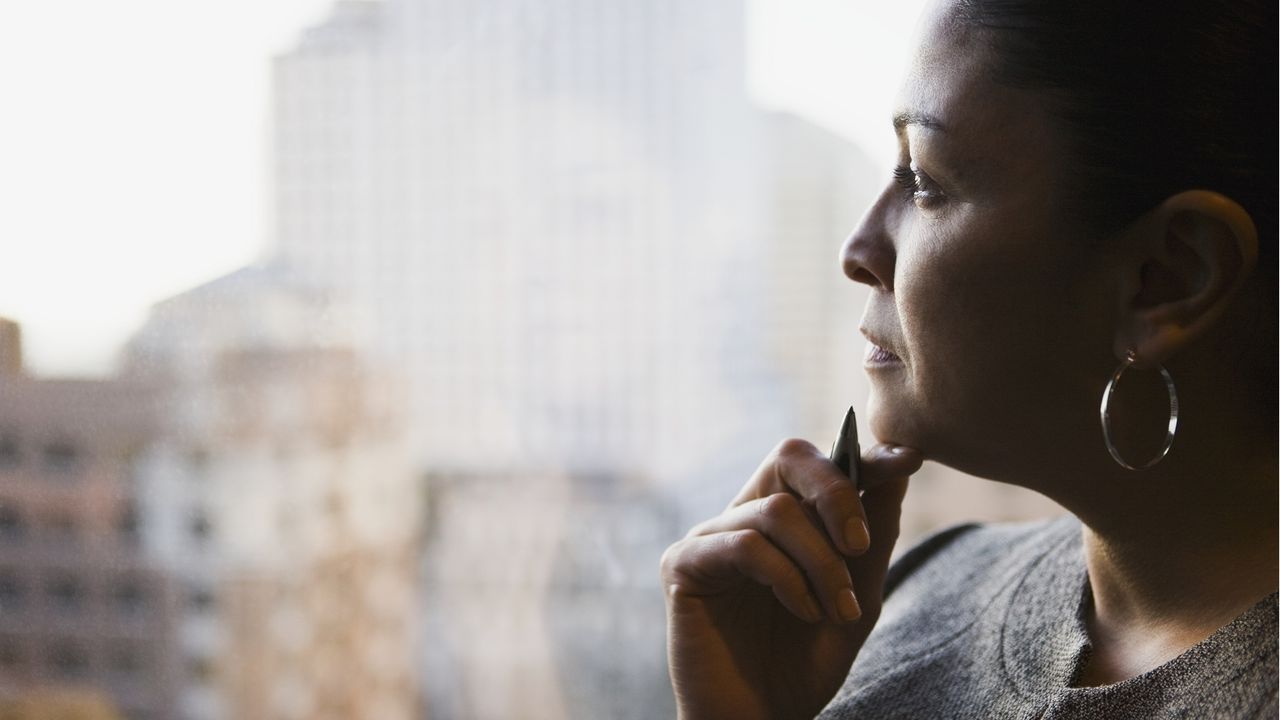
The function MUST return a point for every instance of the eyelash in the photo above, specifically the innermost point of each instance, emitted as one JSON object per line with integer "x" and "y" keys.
{"x": 916, "y": 186}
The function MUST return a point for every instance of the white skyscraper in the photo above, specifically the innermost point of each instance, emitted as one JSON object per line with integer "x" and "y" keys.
{"x": 556, "y": 212}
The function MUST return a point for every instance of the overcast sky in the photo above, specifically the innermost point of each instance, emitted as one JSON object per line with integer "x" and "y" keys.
{"x": 114, "y": 195}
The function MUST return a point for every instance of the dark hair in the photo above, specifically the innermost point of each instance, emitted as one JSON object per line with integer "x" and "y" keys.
{"x": 1159, "y": 97}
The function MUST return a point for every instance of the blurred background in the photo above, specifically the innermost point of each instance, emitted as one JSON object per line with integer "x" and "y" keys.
{"x": 360, "y": 358}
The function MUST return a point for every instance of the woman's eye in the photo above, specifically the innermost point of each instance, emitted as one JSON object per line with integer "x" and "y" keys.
{"x": 917, "y": 186}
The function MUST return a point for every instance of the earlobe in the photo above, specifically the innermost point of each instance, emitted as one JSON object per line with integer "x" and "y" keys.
{"x": 1190, "y": 257}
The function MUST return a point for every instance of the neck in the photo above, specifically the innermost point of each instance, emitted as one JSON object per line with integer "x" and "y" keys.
{"x": 1195, "y": 567}
{"x": 1176, "y": 552}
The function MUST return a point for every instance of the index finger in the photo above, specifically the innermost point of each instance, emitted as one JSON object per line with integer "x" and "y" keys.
{"x": 799, "y": 468}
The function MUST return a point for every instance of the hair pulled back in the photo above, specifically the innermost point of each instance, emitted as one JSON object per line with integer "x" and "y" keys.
{"x": 1159, "y": 97}
{"x": 1156, "y": 98}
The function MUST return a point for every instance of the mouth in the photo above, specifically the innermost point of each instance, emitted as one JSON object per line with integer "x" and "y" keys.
{"x": 877, "y": 355}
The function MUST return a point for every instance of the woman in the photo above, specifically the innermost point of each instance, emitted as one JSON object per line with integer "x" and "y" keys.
{"x": 1084, "y": 189}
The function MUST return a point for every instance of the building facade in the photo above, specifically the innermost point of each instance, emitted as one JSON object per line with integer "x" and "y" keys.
{"x": 87, "y": 618}
{"x": 557, "y": 214}
{"x": 281, "y": 496}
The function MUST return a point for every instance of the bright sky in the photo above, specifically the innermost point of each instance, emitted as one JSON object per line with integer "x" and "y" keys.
{"x": 133, "y": 157}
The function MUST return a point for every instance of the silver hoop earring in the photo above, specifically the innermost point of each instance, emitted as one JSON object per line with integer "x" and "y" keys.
{"x": 1130, "y": 358}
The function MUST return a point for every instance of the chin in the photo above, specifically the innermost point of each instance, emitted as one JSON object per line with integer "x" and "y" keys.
{"x": 890, "y": 423}
{"x": 899, "y": 423}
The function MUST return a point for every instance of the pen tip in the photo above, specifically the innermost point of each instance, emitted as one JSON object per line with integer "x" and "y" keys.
{"x": 848, "y": 420}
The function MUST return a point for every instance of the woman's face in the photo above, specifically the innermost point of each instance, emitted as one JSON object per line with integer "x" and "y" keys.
{"x": 991, "y": 301}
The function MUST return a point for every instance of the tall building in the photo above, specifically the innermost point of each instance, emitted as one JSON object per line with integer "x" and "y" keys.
{"x": 817, "y": 187}
{"x": 281, "y": 496}
{"x": 557, "y": 214}
{"x": 87, "y": 620}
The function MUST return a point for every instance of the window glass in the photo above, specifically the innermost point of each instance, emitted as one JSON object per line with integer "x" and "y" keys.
{"x": 392, "y": 341}
{"x": 12, "y": 525}
{"x": 10, "y": 452}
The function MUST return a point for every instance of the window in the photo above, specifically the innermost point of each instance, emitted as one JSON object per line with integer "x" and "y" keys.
{"x": 201, "y": 600}
{"x": 201, "y": 529}
{"x": 66, "y": 594}
{"x": 200, "y": 669}
{"x": 10, "y": 452}
{"x": 126, "y": 661}
{"x": 12, "y": 527}
{"x": 11, "y": 653}
{"x": 62, "y": 528}
{"x": 127, "y": 523}
{"x": 130, "y": 598}
{"x": 61, "y": 457}
{"x": 13, "y": 595}
{"x": 198, "y": 461}
{"x": 494, "y": 272}
{"x": 68, "y": 660}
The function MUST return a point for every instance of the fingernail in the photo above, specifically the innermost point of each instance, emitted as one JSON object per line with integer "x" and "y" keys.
{"x": 856, "y": 535}
{"x": 847, "y": 606}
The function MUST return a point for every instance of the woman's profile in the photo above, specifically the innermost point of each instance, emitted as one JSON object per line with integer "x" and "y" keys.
{"x": 1073, "y": 289}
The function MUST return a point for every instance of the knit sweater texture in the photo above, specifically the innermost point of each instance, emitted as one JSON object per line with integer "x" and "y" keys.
{"x": 989, "y": 622}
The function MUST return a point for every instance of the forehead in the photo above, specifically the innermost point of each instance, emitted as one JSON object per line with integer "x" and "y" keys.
{"x": 947, "y": 56}
{"x": 950, "y": 82}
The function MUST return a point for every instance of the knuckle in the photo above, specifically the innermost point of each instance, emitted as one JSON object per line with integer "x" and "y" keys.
{"x": 835, "y": 493}
{"x": 779, "y": 507}
{"x": 670, "y": 559}
{"x": 743, "y": 542}
{"x": 794, "y": 448}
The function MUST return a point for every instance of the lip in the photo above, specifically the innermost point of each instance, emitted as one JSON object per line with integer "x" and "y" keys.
{"x": 879, "y": 353}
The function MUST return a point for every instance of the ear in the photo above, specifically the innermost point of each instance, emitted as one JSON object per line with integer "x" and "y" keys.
{"x": 1183, "y": 263}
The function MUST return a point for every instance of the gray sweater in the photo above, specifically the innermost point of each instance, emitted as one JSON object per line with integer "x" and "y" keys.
{"x": 987, "y": 622}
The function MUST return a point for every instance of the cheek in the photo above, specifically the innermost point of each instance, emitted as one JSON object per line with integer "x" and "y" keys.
{"x": 981, "y": 314}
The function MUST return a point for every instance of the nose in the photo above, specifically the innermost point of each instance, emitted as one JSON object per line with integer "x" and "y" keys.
{"x": 868, "y": 255}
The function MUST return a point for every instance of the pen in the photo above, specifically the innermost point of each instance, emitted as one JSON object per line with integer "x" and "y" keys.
{"x": 845, "y": 452}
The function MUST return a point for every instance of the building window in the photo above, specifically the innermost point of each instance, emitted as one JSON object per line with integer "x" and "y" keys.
{"x": 13, "y": 595}
{"x": 11, "y": 655}
{"x": 127, "y": 662}
{"x": 201, "y": 600}
{"x": 10, "y": 451}
{"x": 130, "y": 599}
{"x": 128, "y": 524}
{"x": 62, "y": 529}
{"x": 198, "y": 461}
{"x": 200, "y": 669}
{"x": 201, "y": 528}
{"x": 61, "y": 456}
{"x": 68, "y": 660}
{"x": 12, "y": 527}
{"x": 66, "y": 594}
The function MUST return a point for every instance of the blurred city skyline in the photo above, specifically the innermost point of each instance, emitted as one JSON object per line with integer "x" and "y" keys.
{"x": 136, "y": 162}
{"x": 438, "y": 354}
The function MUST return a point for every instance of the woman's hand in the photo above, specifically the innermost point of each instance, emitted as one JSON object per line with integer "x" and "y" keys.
{"x": 769, "y": 602}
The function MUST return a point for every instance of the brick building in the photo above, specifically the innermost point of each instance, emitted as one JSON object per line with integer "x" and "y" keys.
{"x": 83, "y": 613}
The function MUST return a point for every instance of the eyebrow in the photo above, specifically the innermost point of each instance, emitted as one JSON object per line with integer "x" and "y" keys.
{"x": 906, "y": 117}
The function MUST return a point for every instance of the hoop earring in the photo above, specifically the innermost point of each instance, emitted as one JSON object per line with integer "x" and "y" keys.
{"x": 1130, "y": 358}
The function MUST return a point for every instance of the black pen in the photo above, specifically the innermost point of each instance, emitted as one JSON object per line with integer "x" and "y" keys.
{"x": 845, "y": 452}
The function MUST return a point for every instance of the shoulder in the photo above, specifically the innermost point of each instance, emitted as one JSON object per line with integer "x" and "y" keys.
{"x": 961, "y": 550}
{"x": 936, "y": 646}
{"x": 940, "y": 587}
